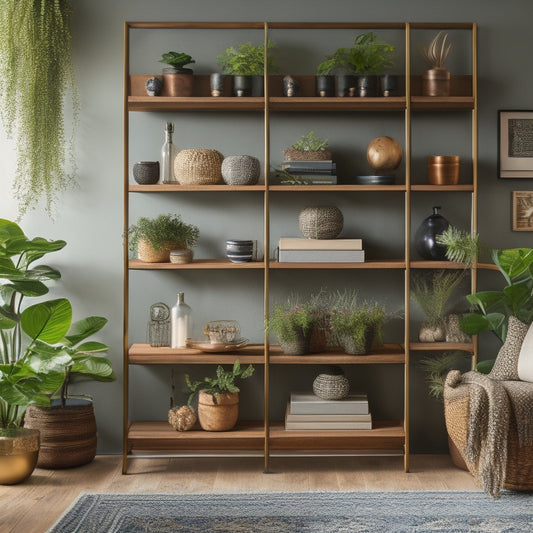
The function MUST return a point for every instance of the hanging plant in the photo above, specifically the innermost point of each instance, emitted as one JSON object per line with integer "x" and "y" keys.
{"x": 37, "y": 73}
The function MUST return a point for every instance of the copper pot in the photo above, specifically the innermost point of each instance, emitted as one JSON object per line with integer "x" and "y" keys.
{"x": 443, "y": 169}
{"x": 436, "y": 82}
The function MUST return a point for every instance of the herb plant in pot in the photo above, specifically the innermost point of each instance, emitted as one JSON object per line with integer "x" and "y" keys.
{"x": 218, "y": 397}
{"x": 154, "y": 238}
{"x": 177, "y": 80}
{"x": 309, "y": 147}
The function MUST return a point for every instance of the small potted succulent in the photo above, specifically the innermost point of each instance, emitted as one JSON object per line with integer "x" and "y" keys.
{"x": 155, "y": 239}
{"x": 178, "y": 80}
{"x": 308, "y": 147}
{"x": 246, "y": 63}
{"x": 218, "y": 397}
{"x": 436, "y": 80}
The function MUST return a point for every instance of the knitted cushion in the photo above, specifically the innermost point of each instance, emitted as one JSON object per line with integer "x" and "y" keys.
{"x": 525, "y": 358}
{"x": 506, "y": 365}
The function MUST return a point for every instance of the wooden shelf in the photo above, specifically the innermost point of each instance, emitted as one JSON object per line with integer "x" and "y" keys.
{"x": 195, "y": 103}
{"x": 423, "y": 263}
{"x": 381, "y": 264}
{"x": 443, "y": 188}
{"x": 441, "y": 346}
{"x": 337, "y": 188}
{"x": 197, "y": 264}
{"x": 316, "y": 103}
{"x": 441, "y": 103}
{"x": 162, "y": 187}
{"x": 144, "y": 354}
{"x": 386, "y": 354}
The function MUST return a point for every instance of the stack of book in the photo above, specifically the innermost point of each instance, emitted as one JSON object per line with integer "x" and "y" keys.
{"x": 305, "y": 411}
{"x": 313, "y": 172}
{"x": 299, "y": 250}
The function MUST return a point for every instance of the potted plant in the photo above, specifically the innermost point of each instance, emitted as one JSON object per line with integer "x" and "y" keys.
{"x": 461, "y": 246}
{"x": 432, "y": 291}
{"x": 246, "y": 63}
{"x": 36, "y": 366}
{"x": 436, "y": 80}
{"x": 356, "y": 325}
{"x": 154, "y": 238}
{"x": 178, "y": 80}
{"x": 38, "y": 87}
{"x": 218, "y": 397}
{"x": 337, "y": 66}
{"x": 308, "y": 147}
{"x": 292, "y": 322}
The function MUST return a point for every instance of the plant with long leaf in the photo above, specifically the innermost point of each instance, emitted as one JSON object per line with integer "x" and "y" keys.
{"x": 38, "y": 81}
{"x": 41, "y": 349}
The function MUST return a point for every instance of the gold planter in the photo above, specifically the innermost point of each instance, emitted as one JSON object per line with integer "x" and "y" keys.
{"x": 443, "y": 169}
{"x": 219, "y": 416}
{"x": 19, "y": 450}
{"x": 436, "y": 82}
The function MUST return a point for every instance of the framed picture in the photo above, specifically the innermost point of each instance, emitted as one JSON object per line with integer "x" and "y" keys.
{"x": 515, "y": 155}
{"x": 522, "y": 210}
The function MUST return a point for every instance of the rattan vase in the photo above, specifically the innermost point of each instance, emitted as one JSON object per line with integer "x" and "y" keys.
{"x": 198, "y": 166}
{"x": 241, "y": 170}
{"x": 324, "y": 222}
{"x": 148, "y": 254}
{"x": 219, "y": 416}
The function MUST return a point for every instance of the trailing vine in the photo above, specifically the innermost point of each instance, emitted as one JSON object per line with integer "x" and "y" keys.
{"x": 37, "y": 73}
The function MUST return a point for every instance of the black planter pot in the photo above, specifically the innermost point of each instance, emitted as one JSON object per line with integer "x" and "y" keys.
{"x": 367, "y": 85}
{"x": 242, "y": 85}
{"x": 426, "y": 235}
{"x": 346, "y": 85}
{"x": 325, "y": 85}
{"x": 389, "y": 85}
{"x": 217, "y": 84}
{"x": 258, "y": 85}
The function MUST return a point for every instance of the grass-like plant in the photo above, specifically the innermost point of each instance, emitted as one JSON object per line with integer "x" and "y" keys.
{"x": 162, "y": 231}
{"x": 310, "y": 142}
{"x": 436, "y": 53}
{"x": 461, "y": 246}
{"x": 291, "y": 320}
{"x": 436, "y": 369}
{"x": 37, "y": 73}
{"x": 177, "y": 60}
{"x": 247, "y": 59}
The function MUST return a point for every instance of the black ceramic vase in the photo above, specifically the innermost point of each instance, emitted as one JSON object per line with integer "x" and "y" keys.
{"x": 325, "y": 85}
{"x": 425, "y": 237}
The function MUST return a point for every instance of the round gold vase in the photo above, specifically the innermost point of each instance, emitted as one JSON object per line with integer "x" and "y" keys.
{"x": 19, "y": 450}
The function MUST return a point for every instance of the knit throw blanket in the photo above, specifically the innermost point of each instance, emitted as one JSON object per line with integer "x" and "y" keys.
{"x": 492, "y": 403}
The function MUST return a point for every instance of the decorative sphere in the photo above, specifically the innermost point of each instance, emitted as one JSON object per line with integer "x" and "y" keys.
{"x": 384, "y": 153}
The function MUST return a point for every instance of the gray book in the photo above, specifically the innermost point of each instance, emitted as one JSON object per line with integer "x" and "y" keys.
{"x": 291, "y": 417}
{"x": 308, "y": 403}
{"x": 321, "y": 256}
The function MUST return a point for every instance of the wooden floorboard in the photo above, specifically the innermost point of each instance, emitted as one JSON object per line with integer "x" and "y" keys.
{"x": 34, "y": 506}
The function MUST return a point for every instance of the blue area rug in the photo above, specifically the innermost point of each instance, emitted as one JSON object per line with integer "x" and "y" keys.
{"x": 306, "y": 512}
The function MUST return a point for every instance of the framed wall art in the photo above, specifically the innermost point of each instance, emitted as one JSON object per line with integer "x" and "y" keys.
{"x": 515, "y": 155}
{"x": 522, "y": 210}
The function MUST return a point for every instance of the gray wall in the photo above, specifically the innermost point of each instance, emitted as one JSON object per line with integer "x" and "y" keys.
{"x": 90, "y": 218}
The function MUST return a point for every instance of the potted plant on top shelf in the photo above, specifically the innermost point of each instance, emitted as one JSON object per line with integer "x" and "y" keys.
{"x": 246, "y": 63}
{"x": 436, "y": 80}
{"x": 155, "y": 238}
{"x": 178, "y": 80}
{"x": 337, "y": 66}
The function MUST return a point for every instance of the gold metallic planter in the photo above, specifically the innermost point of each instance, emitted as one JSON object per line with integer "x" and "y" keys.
{"x": 443, "y": 169}
{"x": 436, "y": 82}
{"x": 19, "y": 449}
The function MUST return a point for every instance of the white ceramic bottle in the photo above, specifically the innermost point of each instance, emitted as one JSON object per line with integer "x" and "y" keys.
{"x": 181, "y": 323}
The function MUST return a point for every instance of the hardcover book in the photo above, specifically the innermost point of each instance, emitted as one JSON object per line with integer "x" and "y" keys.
{"x": 308, "y": 403}
{"x": 298, "y": 243}
{"x": 321, "y": 256}
{"x": 292, "y": 417}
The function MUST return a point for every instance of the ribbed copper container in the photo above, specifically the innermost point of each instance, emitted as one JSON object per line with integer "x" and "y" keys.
{"x": 436, "y": 82}
{"x": 443, "y": 169}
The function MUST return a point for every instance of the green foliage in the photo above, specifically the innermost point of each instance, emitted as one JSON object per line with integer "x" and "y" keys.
{"x": 436, "y": 369}
{"x": 40, "y": 351}
{"x": 223, "y": 382}
{"x": 177, "y": 59}
{"x": 282, "y": 177}
{"x": 247, "y": 60}
{"x": 371, "y": 55}
{"x": 461, "y": 246}
{"x": 291, "y": 319}
{"x": 356, "y": 321}
{"x": 162, "y": 231}
{"x": 337, "y": 63}
{"x": 310, "y": 142}
{"x": 492, "y": 309}
{"x": 37, "y": 73}
{"x": 432, "y": 292}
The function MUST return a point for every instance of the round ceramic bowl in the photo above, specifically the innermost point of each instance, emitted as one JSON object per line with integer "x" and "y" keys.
{"x": 239, "y": 257}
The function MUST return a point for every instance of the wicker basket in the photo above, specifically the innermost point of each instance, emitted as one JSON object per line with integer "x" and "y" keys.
{"x": 241, "y": 170}
{"x": 324, "y": 222}
{"x": 331, "y": 386}
{"x": 291, "y": 154}
{"x": 182, "y": 418}
{"x": 198, "y": 166}
{"x": 148, "y": 254}
{"x": 519, "y": 473}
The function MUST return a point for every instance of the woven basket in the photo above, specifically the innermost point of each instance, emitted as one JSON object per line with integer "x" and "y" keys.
{"x": 241, "y": 170}
{"x": 291, "y": 154}
{"x": 148, "y": 254}
{"x": 198, "y": 166}
{"x": 324, "y": 222}
{"x": 331, "y": 386}
{"x": 519, "y": 473}
{"x": 182, "y": 418}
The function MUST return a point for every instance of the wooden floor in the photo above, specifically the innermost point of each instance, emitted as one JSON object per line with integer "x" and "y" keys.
{"x": 34, "y": 506}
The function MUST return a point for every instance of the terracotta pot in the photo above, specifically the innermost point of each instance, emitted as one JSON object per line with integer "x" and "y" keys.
{"x": 68, "y": 434}
{"x": 436, "y": 82}
{"x": 219, "y": 416}
{"x": 443, "y": 169}
{"x": 178, "y": 83}
{"x": 19, "y": 448}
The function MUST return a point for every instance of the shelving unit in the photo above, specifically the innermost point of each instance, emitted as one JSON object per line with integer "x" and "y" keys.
{"x": 266, "y": 437}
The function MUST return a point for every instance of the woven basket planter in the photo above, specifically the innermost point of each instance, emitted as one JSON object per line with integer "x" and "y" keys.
{"x": 324, "y": 222}
{"x": 198, "y": 166}
{"x": 148, "y": 254}
{"x": 220, "y": 416}
{"x": 291, "y": 154}
{"x": 241, "y": 170}
{"x": 331, "y": 386}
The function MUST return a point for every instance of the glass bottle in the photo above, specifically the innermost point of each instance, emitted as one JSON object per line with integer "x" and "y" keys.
{"x": 181, "y": 323}
{"x": 168, "y": 154}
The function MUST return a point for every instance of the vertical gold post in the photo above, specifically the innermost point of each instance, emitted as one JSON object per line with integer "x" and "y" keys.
{"x": 407, "y": 237}
{"x": 266, "y": 249}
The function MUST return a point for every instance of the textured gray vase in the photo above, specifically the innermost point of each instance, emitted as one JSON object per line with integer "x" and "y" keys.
{"x": 241, "y": 170}
{"x": 146, "y": 172}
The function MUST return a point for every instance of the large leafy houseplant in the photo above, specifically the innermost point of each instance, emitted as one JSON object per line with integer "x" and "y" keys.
{"x": 247, "y": 59}
{"x": 37, "y": 73}
{"x": 41, "y": 349}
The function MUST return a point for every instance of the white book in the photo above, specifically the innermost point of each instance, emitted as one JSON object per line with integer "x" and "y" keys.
{"x": 309, "y": 403}
{"x": 299, "y": 243}
{"x": 326, "y": 426}
{"x": 291, "y": 417}
{"x": 321, "y": 256}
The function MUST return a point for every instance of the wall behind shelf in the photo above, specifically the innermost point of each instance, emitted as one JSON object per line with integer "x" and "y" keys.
{"x": 90, "y": 217}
